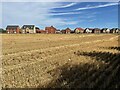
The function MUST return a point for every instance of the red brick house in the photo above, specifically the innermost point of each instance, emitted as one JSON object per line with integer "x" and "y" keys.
{"x": 63, "y": 31}
{"x": 50, "y": 30}
{"x": 37, "y": 30}
{"x": 40, "y": 31}
{"x": 79, "y": 30}
{"x": 12, "y": 29}
{"x": 66, "y": 31}
{"x": 96, "y": 30}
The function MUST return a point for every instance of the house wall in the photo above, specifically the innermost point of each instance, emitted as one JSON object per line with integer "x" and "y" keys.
{"x": 95, "y": 31}
{"x": 77, "y": 31}
{"x": 50, "y": 30}
{"x": 63, "y": 31}
{"x": 58, "y": 32}
{"x": 108, "y": 30}
{"x": 11, "y": 30}
{"x": 112, "y": 31}
{"x": 103, "y": 31}
{"x": 18, "y": 30}
{"x": 34, "y": 30}
{"x": 27, "y": 30}
{"x": 31, "y": 31}
{"x": 68, "y": 31}
{"x": 88, "y": 31}
{"x": 117, "y": 31}
{"x": 23, "y": 30}
{"x": 81, "y": 31}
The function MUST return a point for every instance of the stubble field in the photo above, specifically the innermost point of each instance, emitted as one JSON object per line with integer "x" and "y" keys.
{"x": 60, "y": 60}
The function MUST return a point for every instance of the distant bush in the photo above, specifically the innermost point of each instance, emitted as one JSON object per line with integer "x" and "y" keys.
{"x": 2, "y": 31}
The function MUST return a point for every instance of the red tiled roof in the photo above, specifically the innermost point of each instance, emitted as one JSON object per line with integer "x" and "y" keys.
{"x": 79, "y": 28}
{"x": 90, "y": 28}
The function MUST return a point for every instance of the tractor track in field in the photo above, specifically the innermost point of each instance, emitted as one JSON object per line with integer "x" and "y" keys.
{"x": 57, "y": 47}
{"x": 6, "y": 68}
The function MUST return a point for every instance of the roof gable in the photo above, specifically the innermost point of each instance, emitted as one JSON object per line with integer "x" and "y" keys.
{"x": 68, "y": 29}
{"x": 12, "y": 26}
{"x": 79, "y": 29}
{"x": 89, "y": 29}
{"x": 28, "y": 26}
{"x": 114, "y": 29}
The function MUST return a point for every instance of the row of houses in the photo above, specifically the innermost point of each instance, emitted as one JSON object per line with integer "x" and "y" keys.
{"x": 52, "y": 30}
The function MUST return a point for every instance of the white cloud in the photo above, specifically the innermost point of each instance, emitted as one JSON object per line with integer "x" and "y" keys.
{"x": 32, "y": 13}
{"x": 66, "y": 13}
{"x": 99, "y": 6}
{"x": 0, "y": 15}
{"x": 38, "y": 13}
{"x": 68, "y": 5}
{"x": 91, "y": 20}
{"x": 60, "y": 0}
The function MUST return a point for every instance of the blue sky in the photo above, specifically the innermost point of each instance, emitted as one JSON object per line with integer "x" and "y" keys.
{"x": 61, "y": 14}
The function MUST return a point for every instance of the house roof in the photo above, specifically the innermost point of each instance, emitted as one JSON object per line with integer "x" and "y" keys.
{"x": 89, "y": 28}
{"x": 79, "y": 28}
{"x": 63, "y": 31}
{"x": 42, "y": 30}
{"x": 68, "y": 29}
{"x": 104, "y": 28}
{"x": 12, "y": 26}
{"x": 37, "y": 28}
{"x": 50, "y": 27}
{"x": 114, "y": 28}
{"x": 57, "y": 30}
{"x": 96, "y": 29}
{"x": 28, "y": 26}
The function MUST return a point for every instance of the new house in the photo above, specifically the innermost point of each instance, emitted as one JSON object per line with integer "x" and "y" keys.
{"x": 50, "y": 30}
{"x": 28, "y": 29}
{"x": 79, "y": 30}
{"x": 66, "y": 31}
{"x": 37, "y": 29}
{"x": 114, "y": 30}
{"x": 105, "y": 30}
{"x": 12, "y": 29}
{"x": 88, "y": 30}
{"x": 96, "y": 30}
{"x": 58, "y": 32}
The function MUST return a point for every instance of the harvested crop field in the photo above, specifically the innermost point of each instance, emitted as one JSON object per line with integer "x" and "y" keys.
{"x": 60, "y": 60}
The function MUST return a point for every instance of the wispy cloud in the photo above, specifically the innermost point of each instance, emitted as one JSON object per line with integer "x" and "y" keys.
{"x": 99, "y": 6}
{"x": 1, "y": 14}
{"x": 66, "y": 13}
{"x": 68, "y": 5}
{"x": 45, "y": 14}
{"x": 60, "y": 0}
{"x": 33, "y": 13}
{"x": 91, "y": 20}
